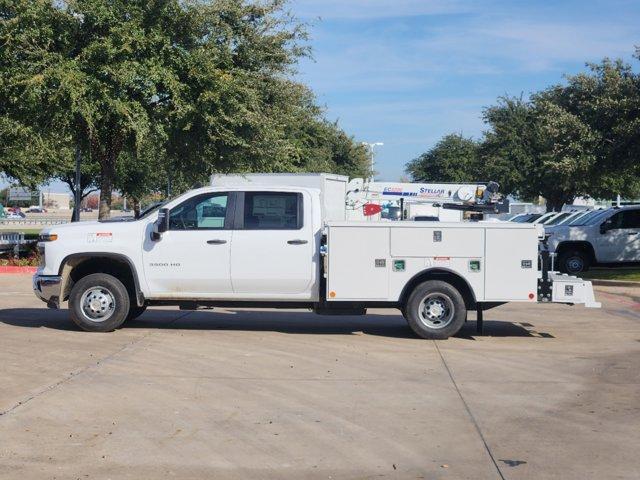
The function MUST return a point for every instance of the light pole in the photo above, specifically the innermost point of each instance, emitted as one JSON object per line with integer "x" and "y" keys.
{"x": 372, "y": 147}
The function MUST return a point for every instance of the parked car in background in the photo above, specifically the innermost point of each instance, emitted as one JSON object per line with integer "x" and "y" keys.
{"x": 15, "y": 216}
{"x": 600, "y": 237}
{"x": 36, "y": 210}
{"x": 525, "y": 217}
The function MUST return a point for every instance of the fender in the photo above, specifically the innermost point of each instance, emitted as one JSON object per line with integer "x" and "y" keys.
{"x": 469, "y": 295}
{"x": 116, "y": 256}
{"x": 579, "y": 244}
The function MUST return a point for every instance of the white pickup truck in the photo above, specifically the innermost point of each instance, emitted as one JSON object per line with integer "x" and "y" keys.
{"x": 600, "y": 237}
{"x": 281, "y": 241}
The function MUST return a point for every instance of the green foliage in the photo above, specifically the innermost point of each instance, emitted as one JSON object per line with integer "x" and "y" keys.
{"x": 577, "y": 139}
{"x": 452, "y": 159}
{"x": 151, "y": 87}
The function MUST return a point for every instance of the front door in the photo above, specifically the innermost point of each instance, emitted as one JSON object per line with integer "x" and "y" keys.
{"x": 272, "y": 253}
{"x": 191, "y": 260}
{"x": 621, "y": 240}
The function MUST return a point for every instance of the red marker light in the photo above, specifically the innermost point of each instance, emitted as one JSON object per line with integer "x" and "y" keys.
{"x": 531, "y": 295}
{"x": 371, "y": 209}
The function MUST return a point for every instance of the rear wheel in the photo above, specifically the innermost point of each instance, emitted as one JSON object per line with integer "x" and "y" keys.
{"x": 573, "y": 261}
{"x": 99, "y": 303}
{"x": 435, "y": 310}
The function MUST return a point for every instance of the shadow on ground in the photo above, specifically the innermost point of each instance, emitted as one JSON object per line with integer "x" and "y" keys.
{"x": 299, "y": 323}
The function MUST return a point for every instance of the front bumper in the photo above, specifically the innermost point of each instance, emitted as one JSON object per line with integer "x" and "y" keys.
{"x": 47, "y": 289}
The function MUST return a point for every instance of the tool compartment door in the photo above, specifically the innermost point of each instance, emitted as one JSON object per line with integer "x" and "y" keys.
{"x": 511, "y": 264}
{"x": 359, "y": 263}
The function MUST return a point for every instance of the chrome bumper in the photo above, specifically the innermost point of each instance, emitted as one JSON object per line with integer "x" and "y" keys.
{"x": 47, "y": 289}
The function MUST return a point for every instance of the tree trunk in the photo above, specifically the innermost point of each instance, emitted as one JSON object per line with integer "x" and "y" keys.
{"x": 556, "y": 202}
{"x": 74, "y": 212}
{"x": 136, "y": 207}
{"x": 107, "y": 176}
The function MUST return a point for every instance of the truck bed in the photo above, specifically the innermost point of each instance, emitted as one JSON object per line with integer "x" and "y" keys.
{"x": 374, "y": 261}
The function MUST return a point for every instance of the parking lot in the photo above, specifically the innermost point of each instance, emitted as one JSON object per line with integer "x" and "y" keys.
{"x": 549, "y": 391}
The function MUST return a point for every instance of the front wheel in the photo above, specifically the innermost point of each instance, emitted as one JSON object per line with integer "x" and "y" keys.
{"x": 573, "y": 261}
{"x": 99, "y": 303}
{"x": 435, "y": 310}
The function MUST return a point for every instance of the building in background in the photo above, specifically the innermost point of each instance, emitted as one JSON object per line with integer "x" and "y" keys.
{"x": 56, "y": 201}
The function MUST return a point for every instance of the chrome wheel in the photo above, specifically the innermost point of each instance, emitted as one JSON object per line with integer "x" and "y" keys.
{"x": 98, "y": 304}
{"x": 436, "y": 310}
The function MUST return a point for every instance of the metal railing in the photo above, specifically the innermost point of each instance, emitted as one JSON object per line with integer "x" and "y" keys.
{"x": 27, "y": 221}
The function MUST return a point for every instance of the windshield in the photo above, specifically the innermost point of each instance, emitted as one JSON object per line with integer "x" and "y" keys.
{"x": 573, "y": 217}
{"x": 533, "y": 218}
{"x": 557, "y": 218}
{"x": 593, "y": 216}
{"x": 151, "y": 208}
{"x": 521, "y": 218}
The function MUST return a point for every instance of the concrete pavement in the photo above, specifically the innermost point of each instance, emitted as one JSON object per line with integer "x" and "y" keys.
{"x": 550, "y": 391}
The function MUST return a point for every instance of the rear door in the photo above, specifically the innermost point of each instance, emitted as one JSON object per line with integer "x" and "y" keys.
{"x": 272, "y": 249}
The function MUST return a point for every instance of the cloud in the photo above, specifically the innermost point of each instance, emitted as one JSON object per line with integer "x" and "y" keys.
{"x": 372, "y": 9}
{"x": 407, "y": 72}
{"x": 532, "y": 45}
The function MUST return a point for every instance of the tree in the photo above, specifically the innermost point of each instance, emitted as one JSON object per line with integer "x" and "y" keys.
{"x": 578, "y": 139}
{"x": 452, "y": 159}
{"x": 204, "y": 84}
{"x": 508, "y": 148}
{"x": 199, "y": 76}
{"x": 593, "y": 126}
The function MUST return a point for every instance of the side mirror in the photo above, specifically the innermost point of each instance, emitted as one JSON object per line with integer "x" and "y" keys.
{"x": 161, "y": 225}
{"x": 605, "y": 227}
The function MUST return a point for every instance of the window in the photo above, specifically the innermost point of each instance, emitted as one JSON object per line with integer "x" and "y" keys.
{"x": 630, "y": 219}
{"x": 203, "y": 212}
{"x": 626, "y": 219}
{"x": 272, "y": 211}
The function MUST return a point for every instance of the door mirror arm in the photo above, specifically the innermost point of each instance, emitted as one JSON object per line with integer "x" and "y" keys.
{"x": 161, "y": 225}
{"x": 604, "y": 228}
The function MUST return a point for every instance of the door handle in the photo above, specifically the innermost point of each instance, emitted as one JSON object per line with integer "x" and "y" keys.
{"x": 297, "y": 242}
{"x": 216, "y": 242}
{"x": 632, "y": 233}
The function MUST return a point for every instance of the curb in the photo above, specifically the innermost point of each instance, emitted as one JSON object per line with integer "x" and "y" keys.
{"x": 12, "y": 269}
{"x": 613, "y": 283}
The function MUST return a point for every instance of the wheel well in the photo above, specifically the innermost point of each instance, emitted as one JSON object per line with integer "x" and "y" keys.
{"x": 585, "y": 247}
{"x": 443, "y": 275}
{"x": 76, "y": 267}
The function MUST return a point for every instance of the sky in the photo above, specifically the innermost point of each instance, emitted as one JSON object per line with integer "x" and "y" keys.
{"x": 407, "y": 72}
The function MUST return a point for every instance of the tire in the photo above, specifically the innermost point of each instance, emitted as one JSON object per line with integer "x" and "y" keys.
{"x": 435, "y": 310}
{"x": 574, "y": 261}
{"x": 99, "y": 303}
{"x": 135, "y": 311}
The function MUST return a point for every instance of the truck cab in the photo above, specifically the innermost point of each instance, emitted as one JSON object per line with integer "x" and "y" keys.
{"x": 601, "y": 237}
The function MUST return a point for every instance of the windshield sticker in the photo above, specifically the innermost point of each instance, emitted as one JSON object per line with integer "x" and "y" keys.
{"x": 100, "y": 237}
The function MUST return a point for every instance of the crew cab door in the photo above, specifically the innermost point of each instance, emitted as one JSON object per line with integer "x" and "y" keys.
{"x": 191, "y": 260}
{"x": 272, "y": 248}
{"x": 619, "y": 238}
